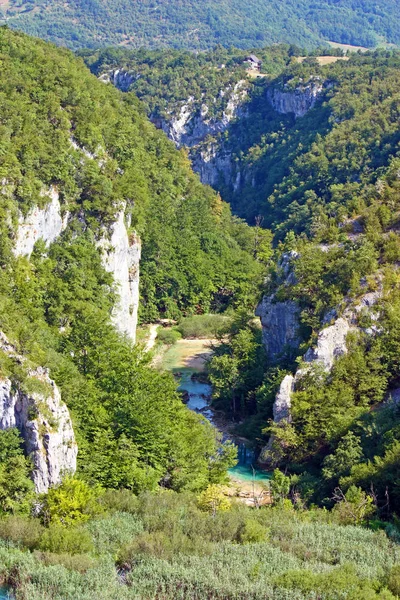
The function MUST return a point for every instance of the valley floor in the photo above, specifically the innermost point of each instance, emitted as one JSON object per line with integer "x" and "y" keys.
{"x": 189, "y": 356}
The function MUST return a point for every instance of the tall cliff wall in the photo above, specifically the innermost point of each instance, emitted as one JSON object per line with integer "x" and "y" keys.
{"x": 43, "y": 421}
{"x": 298, "y": 101}
{"x": 40, "y": 224}
{"x": 120, "y": 254}
{"x": 121, "y": 257}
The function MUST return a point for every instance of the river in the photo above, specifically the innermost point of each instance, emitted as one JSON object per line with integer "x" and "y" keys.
{"x": 186, "y": 358}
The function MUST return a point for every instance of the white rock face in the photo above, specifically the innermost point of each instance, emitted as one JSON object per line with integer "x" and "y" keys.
{"x": 298, "y": 101}
{"x": 40, "y": 224}
{"x": 282, "y": 404}
{"x": 121, "y": 257}
{"x": 44, "y": 423}
{"x": 331, "y": 344}
{"x": 191, "y": 124}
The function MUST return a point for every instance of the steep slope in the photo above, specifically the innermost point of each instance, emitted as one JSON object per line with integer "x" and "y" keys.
{"x": 323, "y": 402}
{"x": 90, "y": 191}
{"x": 194, "y": 25}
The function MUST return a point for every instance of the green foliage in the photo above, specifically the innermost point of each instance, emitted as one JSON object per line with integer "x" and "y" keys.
{"x": 280, "y": 486}
{"x": 66, "y": 132}
{"x": 198, "y": 26}
{"x": 16, "y": 492}
{"x": 170, "y": 544}
{"x": 58, "y": 539}
{"x": 213, "y": 499}
{"x": 205, "y": 326}
{"x": 253, "y": 532}
{"x": 70, "y": 503}
{"x": 354, "y": 507}
{"x": 237, "y": 367}
{"x": 168, "y": 336}
{"x": 347, "y": 454}
{"x": 21, "y": 531}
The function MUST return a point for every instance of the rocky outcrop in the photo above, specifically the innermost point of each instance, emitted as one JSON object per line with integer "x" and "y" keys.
{"x": 120, "y": 252}
{"x": 43, "y": 420}
{"x": 280, "y": 319}
{"x": 282, "y": 404}
{"x": 121, "y": 257}
{"x": 298, "y": 101}
{"x": 123, "y": 79}
{"x": 215, "y": 166}
{"x": 40, "y": 224}
{"x": 191, "y": 123}
{"x": 331, "y": 344}
{"x": 280, "y": 325}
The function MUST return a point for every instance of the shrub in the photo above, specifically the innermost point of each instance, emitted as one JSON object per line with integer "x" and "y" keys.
{"x": 213, "y": 500}
{"x": 113, "y": 532}
{"x": 394, "y": 580}
{"x": 21, "y": 530}
{"x": 119, "y": 501}
{"x": 205, "y": 326}
{"x": 71, "y": 502}
{"x": 73, "y": 562}
{"x": 73, "y": 540}
{"x": 253, "y": 532}
{"x": 163, "y": 545}
{"x": 169, "y": 336}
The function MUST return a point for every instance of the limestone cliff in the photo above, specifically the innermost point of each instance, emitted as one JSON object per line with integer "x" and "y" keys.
{"x": 298, "y": 101}
{"x": 121, "y": 257}
{"x": 120, "y": 253}
{"x": 43, "y": 420}
{"x": 190, "y": 123}
{"x": 40, "y": 223}
{"x": 280, "y": 324}
{"x": 330, "y": 345}
{"x": 280, "y": 319}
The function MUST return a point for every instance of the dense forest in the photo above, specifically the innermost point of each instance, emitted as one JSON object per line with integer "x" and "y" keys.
{"x": 64, "y": 130}
{"x": 325, "y": 185}
{"x": 201, "y": 25}
{"x": 146, "y": 515}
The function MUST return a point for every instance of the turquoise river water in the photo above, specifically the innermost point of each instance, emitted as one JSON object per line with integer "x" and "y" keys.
{"x": 199, "y": 395}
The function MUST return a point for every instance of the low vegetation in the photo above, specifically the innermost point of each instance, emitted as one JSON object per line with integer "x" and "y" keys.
{"x": 186, "y": 546}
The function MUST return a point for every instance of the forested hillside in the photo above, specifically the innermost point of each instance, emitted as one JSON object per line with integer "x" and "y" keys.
{"x": 201, "y": 25}
{"x": 100, "y": 217}
{"x": 325, "y": 183}
{"x": 66, "y": 136}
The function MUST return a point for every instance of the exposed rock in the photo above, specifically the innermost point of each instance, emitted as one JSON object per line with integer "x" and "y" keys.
{"x": 282, "y": 404}
{"x": 365, "y": 304}
{"x": 44, "y": 423}
{"x": 121, "y": 257}
{"x": 122, "y": 79}
{"x": 191, "y": 124}
{"x": 331, "y": 344}
{"x": 40, "y": 224}
{"x": 280, "y": 320}
{"x": 298, "y": 101}
{"x": 280, "y": 325}
{"x": 214, "y": 165}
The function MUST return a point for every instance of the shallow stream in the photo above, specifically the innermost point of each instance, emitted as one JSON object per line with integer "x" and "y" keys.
{"x": 198, "y": 401}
